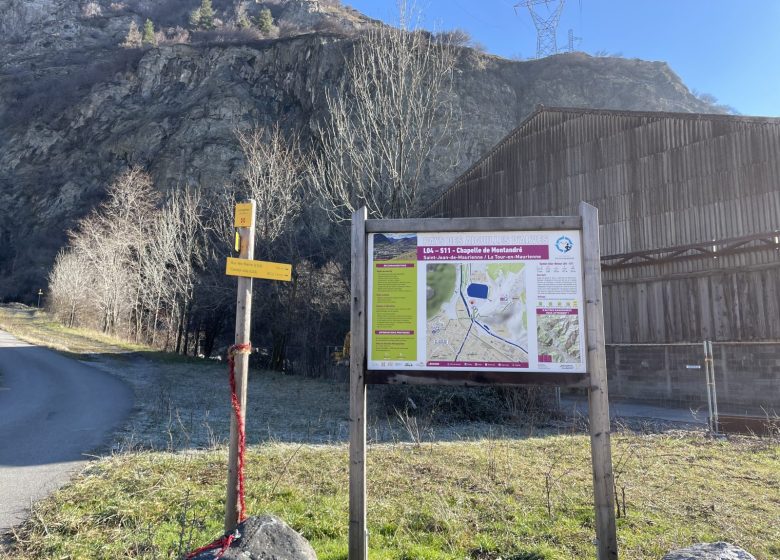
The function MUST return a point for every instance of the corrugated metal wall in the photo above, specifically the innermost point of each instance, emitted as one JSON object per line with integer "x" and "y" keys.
{"x": 659, "y": 180}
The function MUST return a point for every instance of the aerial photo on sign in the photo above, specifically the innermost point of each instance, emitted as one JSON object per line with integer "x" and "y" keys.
{"x": 476, "y": 313}
{"x": 501, "y": 301}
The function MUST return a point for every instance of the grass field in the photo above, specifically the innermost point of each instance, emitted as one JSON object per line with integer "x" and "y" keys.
{"x": 482, "y": 500}
{"x": 38, "y": 327}
{"x": 523, "y": 496}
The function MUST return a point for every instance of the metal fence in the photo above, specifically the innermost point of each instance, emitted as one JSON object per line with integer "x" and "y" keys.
{"x": 732, "y": 378}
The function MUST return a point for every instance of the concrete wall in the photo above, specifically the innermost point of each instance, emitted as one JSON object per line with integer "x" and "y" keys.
{"x": 747, "y": 375}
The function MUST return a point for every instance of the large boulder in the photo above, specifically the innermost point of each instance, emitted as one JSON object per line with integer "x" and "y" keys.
{"x": 710, "y": 551}
{"x": 265, "y": 538}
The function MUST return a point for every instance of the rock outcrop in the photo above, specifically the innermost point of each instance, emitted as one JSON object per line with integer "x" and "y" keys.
{"x": 76, "y": 109}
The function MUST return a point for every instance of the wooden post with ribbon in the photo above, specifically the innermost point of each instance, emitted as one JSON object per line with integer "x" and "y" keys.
{"x": 245, "y": 268}
{"x": 245, "y": 223}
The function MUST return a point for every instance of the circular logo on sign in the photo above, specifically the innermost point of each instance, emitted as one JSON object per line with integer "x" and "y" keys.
{"x": 564, "y": 244}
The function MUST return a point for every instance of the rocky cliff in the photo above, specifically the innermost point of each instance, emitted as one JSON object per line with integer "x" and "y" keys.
{"x": 77, "y": 108}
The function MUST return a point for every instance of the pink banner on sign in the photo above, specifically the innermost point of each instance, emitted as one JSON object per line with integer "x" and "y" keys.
{"x": 395, "y": 265}
{"x": 545, "y": 359}
{"x": 479, "y": 364}
{"x": 556, "y": 311}
{"x": 484, "y": 253}
{"x": 393, "y": 332}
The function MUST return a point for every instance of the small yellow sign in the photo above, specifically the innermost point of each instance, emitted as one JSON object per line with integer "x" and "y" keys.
{"x": 244, "y": 216}
{"x": 258, "y": 269}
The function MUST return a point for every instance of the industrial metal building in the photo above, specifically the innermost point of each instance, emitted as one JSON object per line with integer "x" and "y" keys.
{"x": 689, "y": 209}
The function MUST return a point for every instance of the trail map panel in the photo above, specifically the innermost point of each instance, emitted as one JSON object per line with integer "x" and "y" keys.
{"x": 490, "y": 301}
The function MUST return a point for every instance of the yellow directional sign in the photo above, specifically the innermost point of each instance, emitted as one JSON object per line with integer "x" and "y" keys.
{"x": 244, "y": 215}
{"x": 258, "y": 269}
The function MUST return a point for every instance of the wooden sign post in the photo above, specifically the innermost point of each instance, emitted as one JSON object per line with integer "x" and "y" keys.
{"x": 245, "y": 222}
{"x": 245, "y": 268}
{"x": 358, "y": 533}
{"x": 558, "y": 256}
{"x": 598, "y": 398}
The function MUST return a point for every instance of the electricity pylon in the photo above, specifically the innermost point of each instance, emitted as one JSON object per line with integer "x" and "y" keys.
{"x": 573, "y": 41}
{"x": 546, "y": 25}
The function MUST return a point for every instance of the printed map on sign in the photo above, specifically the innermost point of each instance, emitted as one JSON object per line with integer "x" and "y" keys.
{"x": 476, "y": 312}
{"x": 559, "y": 337}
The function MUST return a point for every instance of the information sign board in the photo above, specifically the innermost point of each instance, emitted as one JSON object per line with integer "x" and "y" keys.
{"x": 258, "y": 269}
{"x": 509, "y": 301}
{"x": 479, "y": 301}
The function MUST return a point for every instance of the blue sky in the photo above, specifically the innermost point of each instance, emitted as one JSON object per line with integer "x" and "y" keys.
{"x": 730, "y": 50}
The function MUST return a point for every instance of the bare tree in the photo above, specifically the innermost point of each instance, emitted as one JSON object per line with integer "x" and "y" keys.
{"x": 69, "y": 285}
{"x": 159, "y": 292}
{"x": 112, "y": 242}
{"x": 273, "y": 175}
{"x": 134, "y": 263}
{"x": 185, "y": 209}
{"x": 389, "y": 118}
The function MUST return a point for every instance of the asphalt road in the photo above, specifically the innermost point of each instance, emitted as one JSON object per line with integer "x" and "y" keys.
{"x": 53, "y": 411}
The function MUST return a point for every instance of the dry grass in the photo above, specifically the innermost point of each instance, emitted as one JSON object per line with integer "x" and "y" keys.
{"x": 481, "y": 499}
{"x": 184, "y": 403}
{"x": 38, "y": 327}
{"x": 513, "y": 497}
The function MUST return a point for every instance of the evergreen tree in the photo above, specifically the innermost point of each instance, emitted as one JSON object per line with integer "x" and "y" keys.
{"x": 242, "y": 21}
{"x": 206, "y": 15}
{"x": 133, "y": 38}
{"x": 265, "y": 21}
{"x": 195, "y": 18}
{"x": 149, "y": 38}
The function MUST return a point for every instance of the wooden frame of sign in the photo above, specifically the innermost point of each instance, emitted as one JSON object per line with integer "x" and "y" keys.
{"x": 593, "y": 375}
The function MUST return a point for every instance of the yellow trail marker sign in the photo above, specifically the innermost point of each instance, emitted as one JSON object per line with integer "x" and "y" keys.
{"x": 258, "y": 269}
{"x": 244, "y": 215}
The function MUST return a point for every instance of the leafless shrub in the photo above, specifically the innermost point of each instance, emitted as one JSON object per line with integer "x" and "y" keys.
{"x": 414, "y": 425}
{"x": 531, "y": 404}
{"x": 560, "y": 462}
{"x": 320, "y": 318}
{"x": 173, "y": 36}
{"x": 133, "y": 37}
{"x": 227, "y": 35}
{"x": 69, "y": 287}
{"x": 332, "y": 26}
{"x": 290, "y": 29}
{"x": 91, "y": 9}
{"x": 459, "y": 38}
{"x": 444, "y": 405}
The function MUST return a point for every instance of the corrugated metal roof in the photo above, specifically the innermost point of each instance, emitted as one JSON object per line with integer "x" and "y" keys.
{"x": 540, "y": 109}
